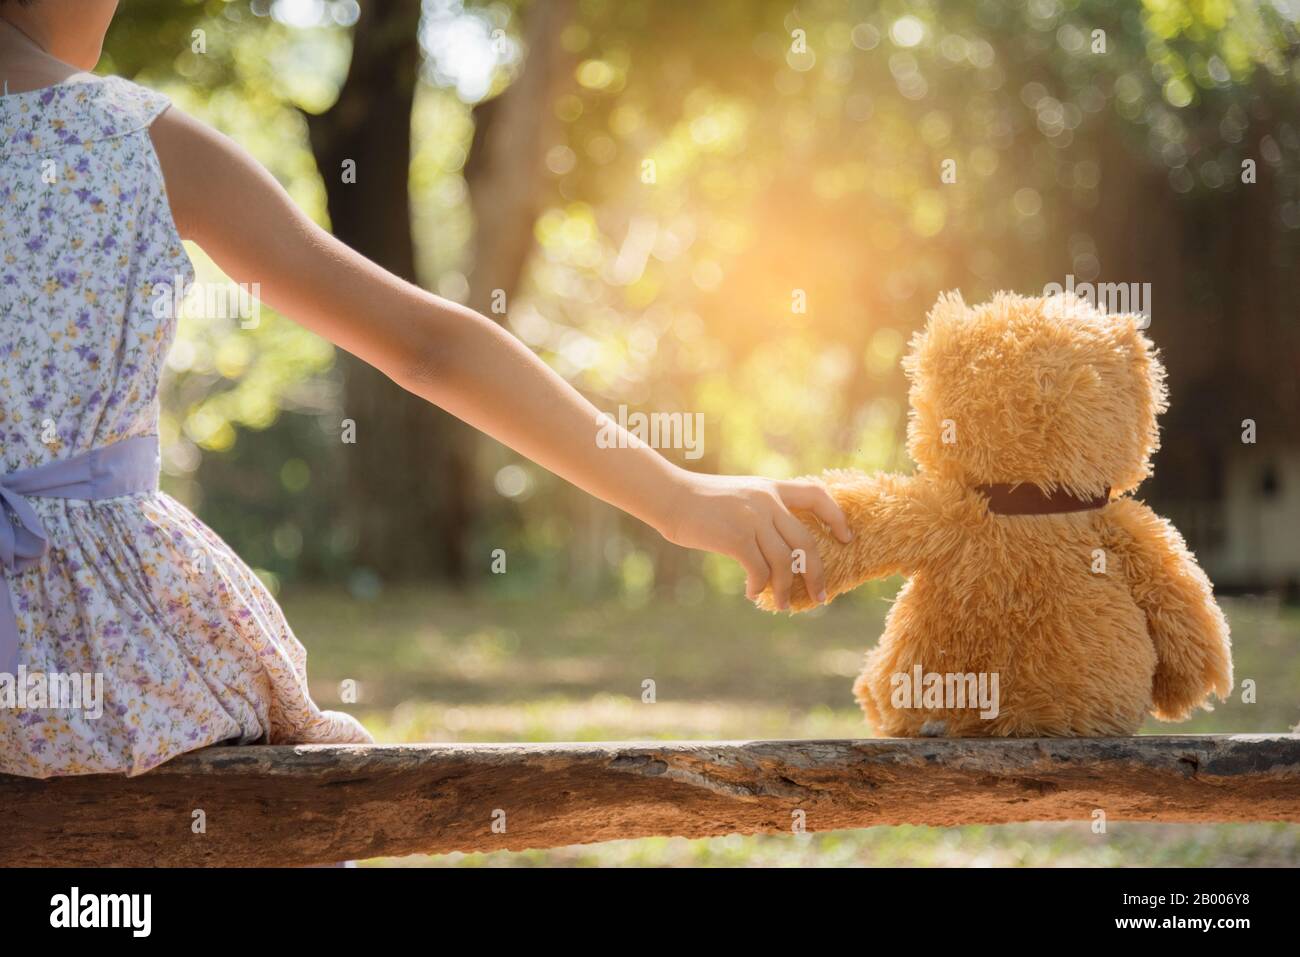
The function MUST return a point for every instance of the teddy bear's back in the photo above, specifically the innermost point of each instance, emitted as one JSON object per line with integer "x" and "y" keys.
{"x": 1037, "y": 601}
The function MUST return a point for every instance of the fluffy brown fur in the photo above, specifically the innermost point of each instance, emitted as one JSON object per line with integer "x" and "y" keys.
{"x": 1053, "y": 393}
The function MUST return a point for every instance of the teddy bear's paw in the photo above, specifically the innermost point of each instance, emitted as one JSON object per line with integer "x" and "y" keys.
{"x": 799, "y": 600}
{"x": 934, "y": 728}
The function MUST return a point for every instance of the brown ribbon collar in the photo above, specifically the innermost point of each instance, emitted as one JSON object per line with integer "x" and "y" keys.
{"x": 1026, "y": 499}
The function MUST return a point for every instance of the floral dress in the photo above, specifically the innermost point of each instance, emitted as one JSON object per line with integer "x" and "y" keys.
{"x": 191, "y": 647}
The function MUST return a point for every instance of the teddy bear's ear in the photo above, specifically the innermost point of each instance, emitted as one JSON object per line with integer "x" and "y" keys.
{"x": 1133, "y": 322}
{"x": 943, "y": 322}
{"x": 1128, "y": 330}
{"x": 950, "y": 307}
{"x": 1145, "y": 356}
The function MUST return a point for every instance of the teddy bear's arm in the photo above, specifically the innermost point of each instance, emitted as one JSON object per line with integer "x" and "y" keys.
{"x": 1193, "y": 648}
{"x": 884, "y": 513}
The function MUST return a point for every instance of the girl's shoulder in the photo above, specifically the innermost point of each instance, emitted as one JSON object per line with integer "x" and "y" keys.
{"x": 80, "y": 109}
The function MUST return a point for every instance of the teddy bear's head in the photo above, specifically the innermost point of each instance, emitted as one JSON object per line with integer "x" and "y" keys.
{"x": 1047, "y": 391}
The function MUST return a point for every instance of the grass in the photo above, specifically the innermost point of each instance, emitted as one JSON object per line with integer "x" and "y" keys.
{"x": 435, "y": 666}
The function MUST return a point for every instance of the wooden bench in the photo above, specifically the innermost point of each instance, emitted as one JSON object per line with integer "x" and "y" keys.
{"x": 316, "y": 804}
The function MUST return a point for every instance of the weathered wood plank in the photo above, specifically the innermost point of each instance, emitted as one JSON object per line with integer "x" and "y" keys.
{"x": 316, "y": 804}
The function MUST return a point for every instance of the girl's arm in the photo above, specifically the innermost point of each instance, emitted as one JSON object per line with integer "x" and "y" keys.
{"x": 235, "y": 210}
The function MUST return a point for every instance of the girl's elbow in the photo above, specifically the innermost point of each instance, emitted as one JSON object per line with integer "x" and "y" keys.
{"x": 424, "y": 365}
{"x": 441, "y": 350}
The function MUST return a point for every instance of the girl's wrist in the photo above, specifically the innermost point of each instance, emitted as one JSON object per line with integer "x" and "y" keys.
{"x": 679, "y": 494}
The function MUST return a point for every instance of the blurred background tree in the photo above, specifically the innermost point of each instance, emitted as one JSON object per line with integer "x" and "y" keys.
{"x": 735, "y": 208}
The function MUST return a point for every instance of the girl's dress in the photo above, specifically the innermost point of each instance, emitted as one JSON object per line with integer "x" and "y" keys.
{"x": 106, "y": 575}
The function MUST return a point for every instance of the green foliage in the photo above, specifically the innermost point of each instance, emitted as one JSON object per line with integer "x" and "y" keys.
{"x": 818, "y": 170}
{"x": 797, "y": 227}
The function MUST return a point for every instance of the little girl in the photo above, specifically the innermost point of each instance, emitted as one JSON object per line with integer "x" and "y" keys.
{"x": 105, "y": 575}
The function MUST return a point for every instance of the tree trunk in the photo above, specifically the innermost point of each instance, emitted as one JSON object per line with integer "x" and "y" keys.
{"x": 406, "y": 505}
{"x": 505, "y": 170}
{"x": 410, "y": 473}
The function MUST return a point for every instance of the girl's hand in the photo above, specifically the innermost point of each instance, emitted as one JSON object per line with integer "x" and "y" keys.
{"x": 749, "y": 519}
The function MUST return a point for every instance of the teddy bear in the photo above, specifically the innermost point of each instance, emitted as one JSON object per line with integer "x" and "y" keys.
{"x": 1041, "y": 598}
